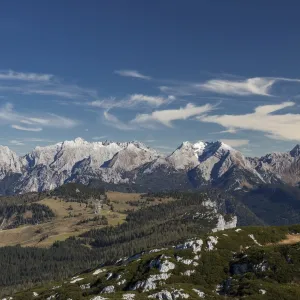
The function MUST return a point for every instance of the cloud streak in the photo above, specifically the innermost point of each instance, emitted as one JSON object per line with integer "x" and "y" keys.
{"x": 251, "y": 86}
{"x": 166, "y": 117}
{"x": 235, "y": 142}
{"x": 34, "y": 129}
{"x": 113, "y": 121}
{"x": 44, "y": 85}
{"x": 151, "y": 100}
{"x": 132, "y": 101}
{"x": 132, "y": 73}
{"x": 21, "y": 76}
{"x": 33, "y": 122}
{"x": 265, "y": 118}
{"x": 16, "y": 143}
{"x": 259, "y": 86}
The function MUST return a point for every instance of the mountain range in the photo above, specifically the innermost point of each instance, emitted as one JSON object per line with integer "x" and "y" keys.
{"x": 132, "y": 165}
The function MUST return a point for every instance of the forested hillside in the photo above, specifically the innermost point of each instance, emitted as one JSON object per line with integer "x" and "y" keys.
{"x": 154, "y": 226}
{"x": 153, "y": 221}
{"x": 245, "y": 263}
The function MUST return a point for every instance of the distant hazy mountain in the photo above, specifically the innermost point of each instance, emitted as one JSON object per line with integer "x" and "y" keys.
{"x": 134, "y": 165}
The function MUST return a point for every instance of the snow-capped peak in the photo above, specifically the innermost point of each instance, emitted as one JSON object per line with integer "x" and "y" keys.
{"x": 122, "y": 162}
{"x": 9, "y": 162}
{"x": 189, "y": 155}
{"x": 199, "y": 147}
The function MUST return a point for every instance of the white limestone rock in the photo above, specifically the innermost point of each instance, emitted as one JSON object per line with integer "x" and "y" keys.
{"x": 85, "y": 286}
{"x": 151, "y": 282}
{"x": 188, "y": 273}
{"x": 263, "y": 292}
{"x": 108, "y": 290}
{"x": 121, "y": 282}
{"x": 211, "y": 243}
{"x": 163, "y": 264}
{"x": 199, "y": 293}
{"x": 76, "y": 280}
{"x": 98, "y": 271}
{"x": 251, "y": 236}
{"x": 222, "y": 224}
{"x": 128, "y": 296}
{"x": 169, "y": 295}
{"x": 56, "y": 287}
{"x": 195, "y": 245}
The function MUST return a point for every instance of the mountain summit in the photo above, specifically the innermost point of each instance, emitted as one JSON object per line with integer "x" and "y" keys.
{"x": 135, "y": 165}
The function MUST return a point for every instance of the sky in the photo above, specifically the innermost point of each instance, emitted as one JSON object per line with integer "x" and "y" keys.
{"x": 160, "y": 72}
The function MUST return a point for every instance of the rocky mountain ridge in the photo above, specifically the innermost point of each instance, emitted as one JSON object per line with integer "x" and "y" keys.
{"x": 140, "y": 167}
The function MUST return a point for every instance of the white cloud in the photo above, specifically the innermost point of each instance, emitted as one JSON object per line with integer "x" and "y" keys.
{"x": 21, "y": 141}
{"x": 106, "y": 103}
{"x": 276, "y": 126}
{"x": 37, "y": 140}
{"x": 166, "y": 117}
{"x": 151, "y": 100}
{"x": 18, "y": 127}
{"x": 252, "y": 86}
{"x": 132, "y": 73}
{"x": 235, "y": 142}
{"x": 113, "y": 121}
{"x": 229, "y": 130}
{"x": 97, "y": 138}
{"x": 164, "y": 148}
{"x": 16, "y": 142}
{"x": 150, "y": 141}
{"x": 260, "y": 86}
{"x": 12, "y": 75}
{"x": 131, "y": 101}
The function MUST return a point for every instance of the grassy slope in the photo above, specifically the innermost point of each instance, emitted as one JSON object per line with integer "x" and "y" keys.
{"x": 63, "y": 226}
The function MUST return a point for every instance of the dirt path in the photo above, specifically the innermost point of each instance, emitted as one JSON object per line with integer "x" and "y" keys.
{"x": 290, "y": 239}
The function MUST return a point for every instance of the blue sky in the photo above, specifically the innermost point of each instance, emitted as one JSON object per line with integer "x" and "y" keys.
{"x": 160, "y": 72}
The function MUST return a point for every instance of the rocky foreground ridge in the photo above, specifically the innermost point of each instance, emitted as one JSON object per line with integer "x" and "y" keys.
{"x": 239, "y": 263}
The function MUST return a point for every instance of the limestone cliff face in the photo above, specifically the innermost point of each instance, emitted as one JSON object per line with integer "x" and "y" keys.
{"x": 223, "y": 224}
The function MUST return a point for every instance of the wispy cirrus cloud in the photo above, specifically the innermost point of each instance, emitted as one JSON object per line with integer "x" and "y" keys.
{"x": 132, "y": 73}
{"x": 16, "y": 143}
{"x": 166, "y": 117}
{"x": 265, "y": 118}
{"x": 21, "y": 76}
{"x": 33, "y": 123}
{"x": 98, "y": 138}
{"x": 44, "y": 85}
{"x": 235, "y": 142}
{"x": 132, "y": 101}
{"x": 24, "y": 141}
{"x": 259, "y": 86}
{"x": 251, "y": 86}
{"x": 113, "y": 121}
{"x": 19, "y": 127}
{"x": 151, "y": 100}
